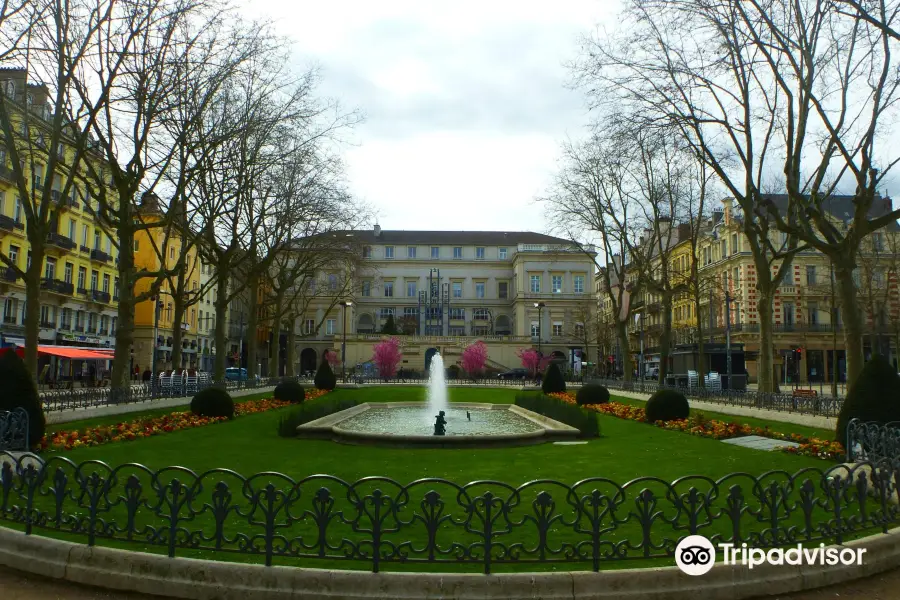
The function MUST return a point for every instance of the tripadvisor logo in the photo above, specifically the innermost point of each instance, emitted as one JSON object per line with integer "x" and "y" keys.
{"x": 696, "y": 555}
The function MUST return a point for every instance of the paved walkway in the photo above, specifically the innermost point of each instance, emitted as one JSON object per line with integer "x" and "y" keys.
{"x": 19, "y": 586}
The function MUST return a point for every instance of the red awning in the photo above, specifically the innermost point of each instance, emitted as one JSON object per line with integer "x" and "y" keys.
{"x": 76, "y": 353}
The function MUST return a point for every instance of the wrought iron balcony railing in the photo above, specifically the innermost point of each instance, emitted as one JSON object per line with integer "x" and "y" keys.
{"x": 55, "y": 285}
{"x": 60, "y": 241}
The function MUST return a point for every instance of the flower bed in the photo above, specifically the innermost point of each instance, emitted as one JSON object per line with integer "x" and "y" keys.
{"x": 719, "y": 430}
{"x": 145, "y": 427}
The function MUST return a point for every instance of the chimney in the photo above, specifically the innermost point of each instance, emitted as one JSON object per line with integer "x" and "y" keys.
{"x": 727, "y": 206}
{"x": 377, "y": 230}
{"x": 684, "y": 231}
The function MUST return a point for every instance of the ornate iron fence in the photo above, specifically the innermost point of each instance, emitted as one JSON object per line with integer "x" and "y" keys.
{"x": 14, "y": 429}
{"x": 378, "y": 521}
{"x": 70, "y": 399}
{"x": 811, "y": 405}
{"x": 874, "y": 442}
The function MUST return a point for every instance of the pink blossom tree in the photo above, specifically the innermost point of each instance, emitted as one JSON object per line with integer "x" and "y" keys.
{"x": 387, "y": 357}
{"x": 332, "y": 357}
{"x": 532, "y": 360}
{"x": 473, "y": 358}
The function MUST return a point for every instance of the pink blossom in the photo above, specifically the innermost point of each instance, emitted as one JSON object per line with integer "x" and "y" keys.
{"x": 533, "y": 361}
{"x": 473, "y": 358}
{"x": 332, "y": 357}
{"x": 387, "y": 357}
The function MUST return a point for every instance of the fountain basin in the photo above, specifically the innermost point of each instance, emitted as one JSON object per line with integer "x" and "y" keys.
{"x": 410, "y": 424}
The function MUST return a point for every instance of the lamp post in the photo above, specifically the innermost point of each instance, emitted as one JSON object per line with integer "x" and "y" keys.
{"x": 728, "y": 300}
{"x": 159, "y": 305}
{"x": 540, "y": 306}
{"x": 346, "y": 304}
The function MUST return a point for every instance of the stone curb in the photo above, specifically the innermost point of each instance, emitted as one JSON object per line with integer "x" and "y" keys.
{"x": 206, "y": 580}
{"x": 66, "y": 416}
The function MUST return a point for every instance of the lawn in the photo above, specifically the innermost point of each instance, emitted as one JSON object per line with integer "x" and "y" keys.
{"x": 317, "y": 493}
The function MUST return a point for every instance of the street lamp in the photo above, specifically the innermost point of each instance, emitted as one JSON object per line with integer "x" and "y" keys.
{"x": 159, "y": 305}
{"x": 540, "y": 306}
{"x": 346, "y": 304}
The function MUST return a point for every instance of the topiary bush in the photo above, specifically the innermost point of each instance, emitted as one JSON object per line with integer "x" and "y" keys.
{"x": 874, "y": 396}
{"x": 592, "y": 393}
{"x": 213, "y": 402}
{"x": 19, "y": 391}
{"x": 553, "y": 380}
{"x": 667, "y": 405}
{"x": 325, "y": 378}
{"x": 583, "y": 420}
{"x": 289, "y": 390}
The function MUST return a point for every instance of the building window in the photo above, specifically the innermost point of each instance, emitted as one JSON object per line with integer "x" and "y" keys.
{"x": 410, "y": 252}
{"x": 309, "y": 326}
{"x": 734, "y": 243}
{"x": 387, "y": 312}
{"x": 411, "y": 312}
{"x": 535, "y": 329}
{"x": 503, "y": 289}
{"x": 481, "y": 314}
{"x": 332, "y": 282}
{"x": 479, "y": 289}
{"x": 457, "y": 252}
{"x": 535, "y": 284}
{"x": 97, "y": 241}
{"x": 367, "y": 252}
{"x": 557, "y": 329}
{"x": 502, "y": 253}
{"x": 95, "y": 277}
{"x": 458, "y": 313}
{"x": 556, "y": 283}
{"x": 50, "y": 268}
{"x": 72, "y": 229}
{"x": 389, "y": 252}
{"x": 116, "y": 290}
{"x": 812, "y": 309}
{"x": 14, "y": 254}
{"x": 366, "y": 288}
{"x": 67, "y": 273}
{"x": 82, "y": 276}
{"x": 45, "y": 315}
{"x": 479, "y": 253}
{"x": 457, "y": 289}
{"x": 105, "y": 283}
{"x": 171, "y": 252}
{"x": 388, "y": 289}
{"x": 788, "y": 314}
{"x": 877, "y": 242}
{"x": 18, "y": 214}
{"x": 10, "y": 310}
{"x": 411, "y": 289}
{"x": 579, "y": 284}
{"x": 811, "y": 275}
{"x": 435, "y": 252}
{"x": 329, "y": 326}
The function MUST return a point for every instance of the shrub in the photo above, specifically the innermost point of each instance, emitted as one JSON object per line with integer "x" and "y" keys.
{"x": 19, "y": 391}
{"x": 874, "y": 396}
{"x": 289, "y": 390}
{"x": 583, "y": 420}
{"x": 453, "y": 371}
{"x": 667, "y": 405}
{"x": 592, "y": 393}
{"x": 310, "y": 411}
{"x": 553, "y": 380}
{"x": 213, "y": 402}
{"x": 325, "y": 379}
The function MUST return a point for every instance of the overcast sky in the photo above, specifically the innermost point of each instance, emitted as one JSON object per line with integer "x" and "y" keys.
{"x": 465, "y": 102}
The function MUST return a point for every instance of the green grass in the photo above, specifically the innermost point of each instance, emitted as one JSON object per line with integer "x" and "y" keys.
{"x": 625, "y": 452}
{"x": 818, "y": 432}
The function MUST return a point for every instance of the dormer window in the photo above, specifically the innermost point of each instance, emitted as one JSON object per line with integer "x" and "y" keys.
{"x": 10, "y": 88}
{"x": 30, "y": 99}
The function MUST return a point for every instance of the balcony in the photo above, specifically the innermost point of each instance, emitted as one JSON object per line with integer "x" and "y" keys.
{"x": 7, "y": 223}
{"x": 9, "y": 319}
{"x": 60, "y": 241}
{"x": 98, "y": 296}
{"x": 81, "y": 291}
{"x": 85, "y": 249}
{"x": 78, "y": 329}
{"x": 7, "y": 174}
{"x": 9, "y": 274}
{"x": 48, "y": 325}
{"x": 100, "y": 256}
{"x": 57, "y": 286}
{"x": 103, "y": 331}
{"x": 65, "y": 325}
{"x": 92, "y": 329}
{"x": 553, "y": 248}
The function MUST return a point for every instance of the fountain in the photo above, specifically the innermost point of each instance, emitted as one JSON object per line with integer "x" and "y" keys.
{"x": 437, "y": 423}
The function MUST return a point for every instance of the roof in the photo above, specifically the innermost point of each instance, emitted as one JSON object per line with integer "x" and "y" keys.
{"x": 487, "y": 238}
{"x": 842, "y": 206}
{"x": 77, "y": 353}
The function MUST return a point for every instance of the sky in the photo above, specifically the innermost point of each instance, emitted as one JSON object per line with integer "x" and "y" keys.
{"x": 465, "y": 103}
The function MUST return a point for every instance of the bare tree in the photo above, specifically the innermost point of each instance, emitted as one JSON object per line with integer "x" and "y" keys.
{"x": 590, "y": 199}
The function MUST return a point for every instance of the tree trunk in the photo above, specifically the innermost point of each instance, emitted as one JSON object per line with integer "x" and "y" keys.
{"x": 33, "y": 306}
{"x": 125, "y": 312}
{"x": 765, "y": 365}
{"x": 221, "y": 306}
{"x": 622, "y": 335}
{"x": 665, "y": 339}
{"x": 275, "y": 350}
{"x": 252, "y": 323}
{"x": 701, "y": 345}
{"x": 853, "y": 319}
{"x": 291, "y": 348}
{"x": 177, "y": 334}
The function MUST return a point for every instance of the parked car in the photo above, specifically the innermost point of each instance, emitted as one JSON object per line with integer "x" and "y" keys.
{"x": 651, "y": 373}
{"x": 236, "y": 374}
{"x": 513, "y": 374}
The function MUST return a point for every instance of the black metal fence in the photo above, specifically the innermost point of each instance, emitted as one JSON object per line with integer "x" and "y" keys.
{"x": 377, "y": 521}
{"x": 14, "y": 429}
{"x": 810, "y": 405}
{"x": 872, "y": 441}
{"x": 70, "y": 399}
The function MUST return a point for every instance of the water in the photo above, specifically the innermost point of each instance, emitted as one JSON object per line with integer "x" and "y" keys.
{"x": 437, "y": 389}
{"x": 408, "y": 421}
